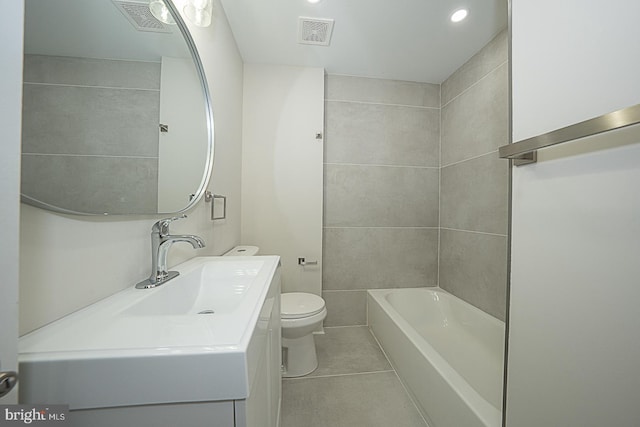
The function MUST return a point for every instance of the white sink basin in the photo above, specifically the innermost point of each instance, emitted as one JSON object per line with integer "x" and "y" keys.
{"x": 194, "y": 294}
{"x": 143, "y": 346}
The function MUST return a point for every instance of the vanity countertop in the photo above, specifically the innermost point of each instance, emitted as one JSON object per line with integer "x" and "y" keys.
{"x": 186, "y": 340}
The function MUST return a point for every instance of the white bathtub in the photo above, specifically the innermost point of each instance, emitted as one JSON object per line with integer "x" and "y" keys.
{"x": 447, "y": 352}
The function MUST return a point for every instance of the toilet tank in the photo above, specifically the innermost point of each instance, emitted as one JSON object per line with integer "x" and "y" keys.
{"x": 243, "y": 251}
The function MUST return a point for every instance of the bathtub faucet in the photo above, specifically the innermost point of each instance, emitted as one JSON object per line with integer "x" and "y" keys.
{"x": 161, "y": 241}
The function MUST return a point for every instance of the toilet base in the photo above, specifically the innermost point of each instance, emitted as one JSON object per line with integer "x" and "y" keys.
{"x": 299, "y": 356}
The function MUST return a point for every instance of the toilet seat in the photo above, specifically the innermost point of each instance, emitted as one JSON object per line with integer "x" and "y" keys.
{"x": 296, "y": 305}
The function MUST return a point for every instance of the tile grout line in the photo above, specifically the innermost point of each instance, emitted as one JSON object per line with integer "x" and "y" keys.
{"x": 91, "y": 86}
{"x": 439, "y": 189}
{"x": 345, "y": 326}
{"x": 350, "y": 374}
{"x": 470, "y": 158}
{"x": 348, "y": 290}
{"x": 410, "y": 227}
{"x": 377, "y": 78}
{"x": 404, "y": 387}
{"x": 379, "y": 165}
{"x": 106, "y": 59}
{"x": 349, "y": 101}
{"x": 366, "y": 316}
{"x": 339, "y": 327}
{"x": 88, "y": 155}
{"x": 475, "y": 83}
{"x": 475, "y": 232}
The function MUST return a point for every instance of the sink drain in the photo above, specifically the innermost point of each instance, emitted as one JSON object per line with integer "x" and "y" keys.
{"x": 206, "y": 312}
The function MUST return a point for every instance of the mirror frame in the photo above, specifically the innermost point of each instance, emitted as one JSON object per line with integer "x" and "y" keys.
{"x": 208, "y": 169}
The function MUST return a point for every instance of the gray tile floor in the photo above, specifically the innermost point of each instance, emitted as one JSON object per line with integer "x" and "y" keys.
{"x": 354, "y": 386}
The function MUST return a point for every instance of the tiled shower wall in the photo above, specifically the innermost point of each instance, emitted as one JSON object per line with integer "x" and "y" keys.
{"x": 382, "y": 148}
{"x": 399, "y": 215}
{"x": 474, "y": 181}
{"x": 86, "y": 121}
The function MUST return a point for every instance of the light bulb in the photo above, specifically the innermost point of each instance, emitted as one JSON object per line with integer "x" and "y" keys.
{"x": 199, "y": 12}
{"x": 459, "y": 15}
{"x": 161, "y": 12}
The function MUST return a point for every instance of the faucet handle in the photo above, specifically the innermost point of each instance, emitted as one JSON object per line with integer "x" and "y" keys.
{"x": 162, "y": 226}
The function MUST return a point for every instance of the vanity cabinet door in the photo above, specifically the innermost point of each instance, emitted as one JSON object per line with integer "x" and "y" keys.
{"x": 274, "y": 357}
{"x": 202, "y": 414}
{"x": 262, "y": 407}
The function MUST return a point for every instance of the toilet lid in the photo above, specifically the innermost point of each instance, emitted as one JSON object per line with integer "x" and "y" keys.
{"x": 300, "y": 304}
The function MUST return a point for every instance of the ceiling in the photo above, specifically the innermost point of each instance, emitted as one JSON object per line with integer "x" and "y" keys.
{"x": 94, "y": 29}
{"x": 410, "y": 40}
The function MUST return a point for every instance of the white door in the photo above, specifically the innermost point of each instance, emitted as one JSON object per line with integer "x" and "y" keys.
{"x": 574, "y": 318}
{"x": 10, "y": 116}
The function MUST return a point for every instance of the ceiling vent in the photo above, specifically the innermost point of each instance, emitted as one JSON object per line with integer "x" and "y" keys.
{"x": 139, "y": 15}
{"x": 314, "y": 31}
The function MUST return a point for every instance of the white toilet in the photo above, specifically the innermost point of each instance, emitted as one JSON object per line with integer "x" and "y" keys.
{"x": 301, "y": 314}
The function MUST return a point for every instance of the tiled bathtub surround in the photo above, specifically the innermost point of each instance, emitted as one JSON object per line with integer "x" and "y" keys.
{"x": 474, "y": 181}
{"x": 370, "y": 196}
{"x": 380, "y": 257}
{"x": 381, "y": 134}
{"x": 415, "y": 194}
{"x": 82, "y": 115}
{"x": 381, "y": 196}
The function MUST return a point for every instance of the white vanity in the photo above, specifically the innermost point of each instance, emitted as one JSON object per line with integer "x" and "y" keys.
{"x": 203, "y": 349}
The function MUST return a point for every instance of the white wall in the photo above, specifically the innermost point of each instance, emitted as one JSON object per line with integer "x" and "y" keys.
{"x": 10, "y": 113}
{"x": 598, "y": 39}
{"x": 574, "y": 322}
{"x": 282, "y": 169}
{"x": 67, "y": 262}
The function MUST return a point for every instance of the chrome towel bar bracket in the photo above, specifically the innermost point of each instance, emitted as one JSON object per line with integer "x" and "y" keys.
{"x": 524, "y": 152}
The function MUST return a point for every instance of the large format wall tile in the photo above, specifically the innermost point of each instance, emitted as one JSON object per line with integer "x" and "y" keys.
{"x": 382, "y": 148}
{"x": 345, "y": 308}
{"x": 473, "y": 195}
{"x": 475, "y": 123}
{"x": 380, "y": 196}
{"x": 91, "y": 72}
{"x": 494, "y": 54}
{"x": 350, "y": 88}
{"x": 363, "y": 258}
{"x": 381, "y": 134}
{"x": 54, "y": 179}
{"x": 88, "y": 120}
{"x": 473, "y": 267}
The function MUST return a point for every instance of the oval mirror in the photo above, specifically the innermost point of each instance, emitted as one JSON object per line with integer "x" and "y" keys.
{"x": 116, "y": 112}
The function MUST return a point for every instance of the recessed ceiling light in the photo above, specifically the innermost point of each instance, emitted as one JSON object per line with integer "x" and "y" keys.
{"x": 459, "y": 15}
{"x": 314, "y": 1}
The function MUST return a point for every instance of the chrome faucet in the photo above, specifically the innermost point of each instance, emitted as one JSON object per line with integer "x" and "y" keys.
{"x": 161, "y": 241}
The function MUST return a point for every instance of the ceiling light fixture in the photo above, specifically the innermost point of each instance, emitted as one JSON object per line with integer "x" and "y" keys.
{"x": 314, "y": 1}
{"x": 199, "y": 12}
{"x": 459, "y": 15}
{"x": 161, "y": 12}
